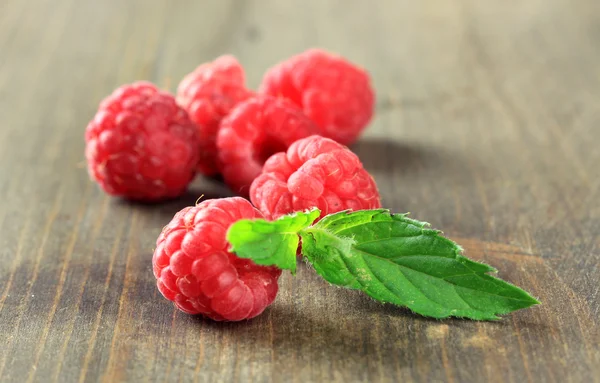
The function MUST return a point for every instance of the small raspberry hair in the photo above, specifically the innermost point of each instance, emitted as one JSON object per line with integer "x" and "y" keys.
{"x": 195, "y": 270}
{"x": 208, "y": 94}
{"x": 336, "y": 94}
{"x": 314, "y": 172}
{"x": 141, "y": 145}
{"x": 256, "y": 129}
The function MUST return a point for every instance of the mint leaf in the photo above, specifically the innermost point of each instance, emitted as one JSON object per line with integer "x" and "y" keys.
{"x": 397, "y": 259}
{"x": 270, "y": 242}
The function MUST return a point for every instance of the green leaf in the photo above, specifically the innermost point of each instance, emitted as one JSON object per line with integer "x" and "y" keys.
{"x": 399, "y": 260}
{"x": 270, "y": 242}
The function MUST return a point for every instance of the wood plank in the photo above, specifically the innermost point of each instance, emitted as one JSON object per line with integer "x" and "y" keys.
{"x": 487, "y": 127}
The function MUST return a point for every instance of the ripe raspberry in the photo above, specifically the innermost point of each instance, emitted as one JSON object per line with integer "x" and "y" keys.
{"x": 256, "y": 129}
{"x": 315, "y": 172}
{"x": 333, "y": 92}
{"x": 141, "y": 145}
{"x": 208, "y": 94}
{"x": 195, "y": 270}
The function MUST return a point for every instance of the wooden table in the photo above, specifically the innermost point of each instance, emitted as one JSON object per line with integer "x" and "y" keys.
{"x": 487, "y": 126}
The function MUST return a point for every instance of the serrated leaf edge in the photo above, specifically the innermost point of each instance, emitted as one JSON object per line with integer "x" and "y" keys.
{"x": 425, "y": 230}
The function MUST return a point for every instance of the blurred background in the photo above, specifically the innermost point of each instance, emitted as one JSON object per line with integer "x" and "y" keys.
{"x": 449, "y": 76}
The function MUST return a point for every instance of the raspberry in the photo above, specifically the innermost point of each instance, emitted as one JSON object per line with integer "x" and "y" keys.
{"x": 141, "y": 145}
{"x": 195, "y": 270}
{"x": 333, "y": 92}
{"x": 208, "y": 94}
{"x": 256, "y": 129}
{"x": 315, "y": 172}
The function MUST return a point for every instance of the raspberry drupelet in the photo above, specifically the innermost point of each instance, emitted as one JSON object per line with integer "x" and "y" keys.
{"x": 195, "y": 270}
{"x": 208, "y": 94}
{"x": 336, "y": 94}
{"x": 256, "y": 129}
{"x": 141, "y": 145}
{"x": 314, "y": 172}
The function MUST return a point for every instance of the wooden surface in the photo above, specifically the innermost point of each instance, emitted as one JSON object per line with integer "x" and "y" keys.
{"x": 487, "y": 126}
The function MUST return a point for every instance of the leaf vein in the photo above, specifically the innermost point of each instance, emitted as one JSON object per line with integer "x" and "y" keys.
{"x": 381, "y": 281}
{"x": 349, "y": 271}
{"x": 390, "y": 237}
{"x": 449, "y": 282}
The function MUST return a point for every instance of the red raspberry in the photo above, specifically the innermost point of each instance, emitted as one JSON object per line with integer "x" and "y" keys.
{"x": 333, "y": 92}
{"x": 208, "y": 94}
{"x": 315, "y": 172}
{"x": 141, "y": 145}
{"x": 256, "y": 129}
{"x": 194, "y": 268}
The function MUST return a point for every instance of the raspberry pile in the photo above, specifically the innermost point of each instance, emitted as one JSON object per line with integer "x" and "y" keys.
{"x": 282, "y": 146}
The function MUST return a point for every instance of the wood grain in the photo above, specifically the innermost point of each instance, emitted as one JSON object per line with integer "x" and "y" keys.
{"x": 487, "y": 126}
